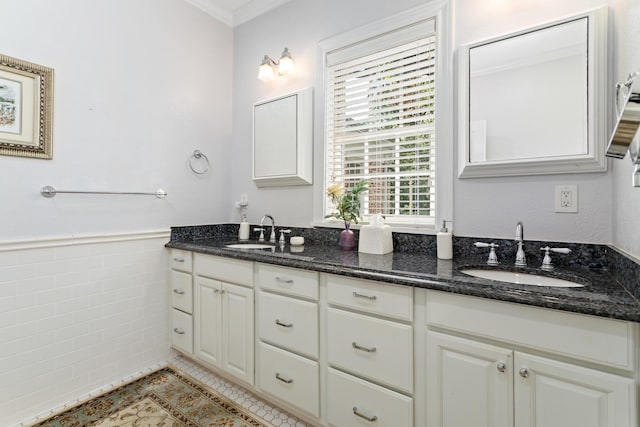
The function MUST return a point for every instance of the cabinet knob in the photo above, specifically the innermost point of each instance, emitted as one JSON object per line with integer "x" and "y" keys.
{"x": 361, "y": 348}
{"x": 501, "y": 366}
{"x": 524, "y": 372}
{"x": 361, "y": 415}
{"x": 369, "y": 297}
{"x": 284, "y": 380}
{"x": 284, "y": 325}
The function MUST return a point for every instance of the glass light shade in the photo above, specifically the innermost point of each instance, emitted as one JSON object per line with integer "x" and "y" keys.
{"x": 265, "y": 73}
{"x": 286, "y": 65}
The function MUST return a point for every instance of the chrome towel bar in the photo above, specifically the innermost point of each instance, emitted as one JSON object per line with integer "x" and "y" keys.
{"x": 49, "y": 191}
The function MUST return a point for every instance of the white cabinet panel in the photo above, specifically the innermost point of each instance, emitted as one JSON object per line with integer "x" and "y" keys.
{"x": 352, "y": 402}
{"x": 181, "y": 291}
{"x": 292, "y": 378}
{"x": 377, "y": 349}
{"x": 237, "y": 331}
{"x": 208, "y": 320}
{"x": 371, "y": 297}
{"x": 181, "y": 331}
{"x": 469, "y": 383}
{"x": 289, "y": 323}
{"x": 224, "y": 269}
{"x": 289, "y": 281}
{"x": 181, "y": 260}
{"x": 549, "y": 393}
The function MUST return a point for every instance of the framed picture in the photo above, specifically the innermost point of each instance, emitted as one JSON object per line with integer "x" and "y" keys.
{"x": 26, "y": 109}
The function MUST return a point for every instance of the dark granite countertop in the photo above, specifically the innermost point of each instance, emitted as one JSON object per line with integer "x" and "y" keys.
{"x": 604, "y": 294}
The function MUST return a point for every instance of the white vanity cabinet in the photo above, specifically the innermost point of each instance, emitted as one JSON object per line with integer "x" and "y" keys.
{"x": 288, "y": 347}
{"x": 369, "y": 353}
{"x": 224, "y": 315}
{"x": 481, "y": 368}
{"x": 181, "y": 301}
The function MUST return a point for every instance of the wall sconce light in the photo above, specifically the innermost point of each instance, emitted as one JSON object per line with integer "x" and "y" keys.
{"x": 266, "y": 72}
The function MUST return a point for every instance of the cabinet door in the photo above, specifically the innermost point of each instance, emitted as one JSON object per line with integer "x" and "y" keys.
{"x": 470, "y": 383}
{"x": 207, "y": 319}
{"x": 549, "y": 393}
{"x": 237, "y": 331}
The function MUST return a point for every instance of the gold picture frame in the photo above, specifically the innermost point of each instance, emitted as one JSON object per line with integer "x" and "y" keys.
{"x": 26, "y": 109}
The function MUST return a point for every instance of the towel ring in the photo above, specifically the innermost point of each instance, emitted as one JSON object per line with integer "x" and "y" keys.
{"x": 197, "y": 155}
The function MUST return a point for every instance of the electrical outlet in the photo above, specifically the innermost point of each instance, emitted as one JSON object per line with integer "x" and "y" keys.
{"x": 566, "y": 198}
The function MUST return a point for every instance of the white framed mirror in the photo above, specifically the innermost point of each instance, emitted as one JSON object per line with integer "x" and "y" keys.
{"x": 282, "y": 140}
{"x": 534, "y": 102}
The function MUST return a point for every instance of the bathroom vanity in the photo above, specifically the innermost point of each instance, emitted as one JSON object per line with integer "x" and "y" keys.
{"x": 347, "y": 339}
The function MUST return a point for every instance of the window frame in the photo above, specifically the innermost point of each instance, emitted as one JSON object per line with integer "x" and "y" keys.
{"x": 440, "y": 12}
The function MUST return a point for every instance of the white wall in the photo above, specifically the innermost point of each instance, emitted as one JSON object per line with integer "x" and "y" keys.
{"x": 482, "y": 207}
{"x": 298, "y": 25}
{"x": 627, "y": 198}
{"x": 138, "y": 86}
{"x": 77, "y": 315}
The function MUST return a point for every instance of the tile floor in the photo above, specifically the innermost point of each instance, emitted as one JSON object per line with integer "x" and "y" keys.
{"x": 264, "y": 410}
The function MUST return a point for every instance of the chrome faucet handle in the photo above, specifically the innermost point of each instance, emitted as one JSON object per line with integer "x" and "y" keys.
{"x": 493, "y": 259}
{"x": 546, "y": 261}
{"x": 521, "y": 258}
{"x": 282, "y": 233}
{"x": 261, "y": 230}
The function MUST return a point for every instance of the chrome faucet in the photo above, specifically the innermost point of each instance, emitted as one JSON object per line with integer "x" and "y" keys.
{"x": 272, "y": 236}
{"x": 521, "y": 259}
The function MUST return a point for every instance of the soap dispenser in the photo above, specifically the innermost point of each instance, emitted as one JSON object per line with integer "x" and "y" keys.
{"x": 445, "y": 242}
{"x": 243, "y": 232}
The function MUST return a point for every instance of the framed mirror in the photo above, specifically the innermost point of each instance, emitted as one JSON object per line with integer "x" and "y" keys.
{"x": 534, "y": 102}
{"x": 282, "y": 140}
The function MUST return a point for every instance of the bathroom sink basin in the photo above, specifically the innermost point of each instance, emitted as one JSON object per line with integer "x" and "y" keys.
{"x": 521, "y": 278}
{"x": 250, "y": 245}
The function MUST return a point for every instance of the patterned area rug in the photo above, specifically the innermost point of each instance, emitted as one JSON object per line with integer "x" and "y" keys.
{"x": 164, "y": 398}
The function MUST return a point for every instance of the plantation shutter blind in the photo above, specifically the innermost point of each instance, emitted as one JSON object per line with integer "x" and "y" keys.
{"x": 380, "y": 122}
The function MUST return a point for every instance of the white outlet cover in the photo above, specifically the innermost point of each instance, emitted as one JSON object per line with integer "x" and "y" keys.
{"x": 566, "y": 198}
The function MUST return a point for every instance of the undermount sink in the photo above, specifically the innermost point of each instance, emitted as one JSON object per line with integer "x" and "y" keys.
{"x": 249, "y": 245}
{"x": 521, "y": 278}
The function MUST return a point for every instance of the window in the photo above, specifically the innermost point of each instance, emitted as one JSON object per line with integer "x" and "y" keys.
{"x": 380, "y": 122}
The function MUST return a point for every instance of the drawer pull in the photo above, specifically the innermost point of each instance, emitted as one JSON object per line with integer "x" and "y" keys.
{"x": 284, "y": 325}
{"x": 284, "y": 380}
{"x": 178, "y": 259}
{"x": 179, "y": 292}
{"x": 369, "y": 297}
{"x": 370, "y": 419}
{"x": 178, "y": 331}
{"x": 367, "y": 349}
{"x": 283, "y": 279}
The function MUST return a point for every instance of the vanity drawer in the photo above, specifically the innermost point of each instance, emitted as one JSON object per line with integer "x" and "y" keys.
{"x": 181, "y": 331}
{"x": 181, "y": 291}
{"x": 224, "y": 269}
{"x": 289, "y": 377}
{"x": 290, "y": 281}
{"x": 351, "y": 401}
{"x": 377, "y": 349}
{"x": 181, "y": 260}
{"x": 289, "y": 323}
{"x": 595, "y": 339}
{"x": 372, "y": 297}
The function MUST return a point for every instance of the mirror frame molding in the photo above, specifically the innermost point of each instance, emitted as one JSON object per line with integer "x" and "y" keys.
{"x": 598, "y": 101}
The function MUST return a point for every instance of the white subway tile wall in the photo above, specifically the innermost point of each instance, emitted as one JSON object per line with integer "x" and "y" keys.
{"x": 76, "y": 314}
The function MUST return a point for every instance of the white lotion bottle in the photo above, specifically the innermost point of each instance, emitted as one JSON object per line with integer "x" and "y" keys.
{"x": 445, "y": 242}
{"x": 243, "y": 232}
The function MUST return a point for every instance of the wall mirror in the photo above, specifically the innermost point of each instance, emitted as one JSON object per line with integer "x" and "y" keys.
{"x": 282, "y": 140}
{"x": 534, "y": 102}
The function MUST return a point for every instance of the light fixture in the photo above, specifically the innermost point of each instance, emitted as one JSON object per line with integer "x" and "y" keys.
{"x": 266, "y": 72}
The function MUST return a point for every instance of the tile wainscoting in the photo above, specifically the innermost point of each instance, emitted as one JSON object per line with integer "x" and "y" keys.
{"x": 77, "y": 313}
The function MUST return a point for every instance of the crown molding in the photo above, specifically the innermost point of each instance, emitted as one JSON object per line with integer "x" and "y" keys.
{"x": 255, "y": 8}
{"x": 209, "y": 7}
